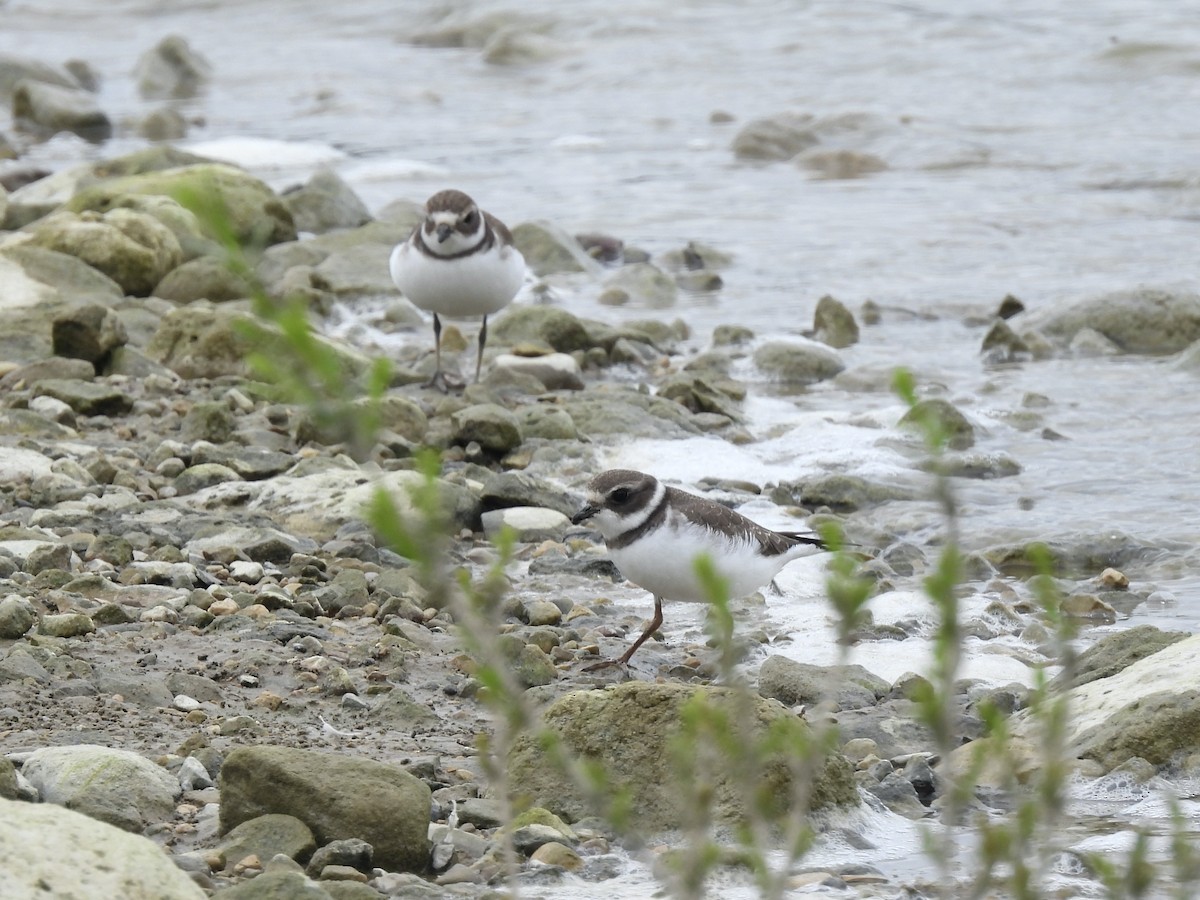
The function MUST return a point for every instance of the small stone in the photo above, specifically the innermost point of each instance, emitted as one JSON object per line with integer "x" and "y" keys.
{"x": 556, "y": 854}
{"x": 834, "y": 324}
{"x": 66, "y": 625}
{"x": 1112, "y": 578}
{"x": 16, "y": 618}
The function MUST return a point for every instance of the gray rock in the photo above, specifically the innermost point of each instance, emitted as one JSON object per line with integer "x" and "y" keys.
{"x": 547, "y": 423}
{"x": 337, "y": 796}
{"x": 203, "y": 278}
{"x": 139, "y": 688}
{"x": 556, "y": 371}
{"x": 171, "y": 70}
{"x": 404, "y": 417}
{"x": 62, "y": 850}
{"x": 1003, "y": 345}
{"x": 203, "y": 689}
{"x": 957, "y": 428}
{"x": 197, "y": 478}
{"x": 132, "y": 248}
{"x": 16, "y": 618}
{"x": 493, "y": 427}
{"x": 628, "y": 412}
{"x": 88, "y": 398}
{"x": 834, "y": 324}
{"x": 165, "y": 124}
{"x": 90, "y": 332}
{"x": 777, "y": 137}
{"x": 256, "y": 214}
{"x": 516, "y": 488}
{"x": 1115, "y": 652}
{"x": 1150, "y": 709}
{"x": 10, "y": 787}
{"x": 549, "y": 250}
{"x": 793, "y": 683}
{"x": 324, "y": 203}
{"x": 20, "y": 665}
{"x": 46, "y": 556}
{"x": 356, "y": 854}
{"x": 841, "y": 492}
{"x": 643, "y": 284}
{"x": 1142, "y": 320}
{"x": 66, "y": 625}
{"x": 265, "y": 836}
{"x": 276, "y": 885}
{"x": 798, "y": 362}
{"x": 210, "y": 421}
{"x": 114, "y": 786}
{"x": 840, "y": 163}
{"x": 531, "y": 524}
{"x": 529, "y": 663}
{"x": 976, "y": 464}
{"x": 50, "y": 108}
{"x": 15, "y": 68}
{"x": 555, "y": 327}
{"x": 629, "y": 729}
{"x": 893, "y": 725}
{"x": 898, "y": 795}
{"x": 699, "y": 395}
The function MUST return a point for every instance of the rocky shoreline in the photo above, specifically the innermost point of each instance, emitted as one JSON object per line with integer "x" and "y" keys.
{"x": 203, "y": 640}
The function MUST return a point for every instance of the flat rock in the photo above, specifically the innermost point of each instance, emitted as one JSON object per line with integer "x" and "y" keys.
{"x": 113, "y": 786}
{"x": 798, "y": 361}
{"x": 69, "y": 856}
{"x": 531, "y": 524}
{"x": 335, "y": 795}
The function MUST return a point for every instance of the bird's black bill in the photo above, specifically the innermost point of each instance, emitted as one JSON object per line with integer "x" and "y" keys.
{"x": 584, "y": 514}
{"x": 444, "y": 232}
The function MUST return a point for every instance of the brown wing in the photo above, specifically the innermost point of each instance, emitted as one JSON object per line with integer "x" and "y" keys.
{"x": 709, "y": 513}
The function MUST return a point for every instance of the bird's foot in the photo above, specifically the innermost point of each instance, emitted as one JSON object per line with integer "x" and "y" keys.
{"x": 445, "y": 383}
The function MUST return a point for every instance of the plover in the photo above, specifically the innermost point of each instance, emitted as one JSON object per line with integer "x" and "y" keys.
{"x": 655, "y": 533}
{"x": 458, "y": 262}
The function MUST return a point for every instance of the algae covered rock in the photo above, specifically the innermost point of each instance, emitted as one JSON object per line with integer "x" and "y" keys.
{"x": 633, "y": 731}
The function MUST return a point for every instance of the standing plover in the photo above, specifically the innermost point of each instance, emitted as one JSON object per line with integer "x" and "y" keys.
{"x": 654, "y": 534}
{"x": 459, "y": 262}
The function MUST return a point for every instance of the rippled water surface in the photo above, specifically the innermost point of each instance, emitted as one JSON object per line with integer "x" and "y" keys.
{"x": 1047, "y": 150}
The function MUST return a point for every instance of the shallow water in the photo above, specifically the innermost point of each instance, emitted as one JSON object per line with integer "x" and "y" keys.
{"x": 1043, "y": 150}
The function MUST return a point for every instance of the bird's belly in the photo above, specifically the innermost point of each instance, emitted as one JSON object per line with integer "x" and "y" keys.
{"x": 666, "y": 566}
{"x": 476, "y": 285}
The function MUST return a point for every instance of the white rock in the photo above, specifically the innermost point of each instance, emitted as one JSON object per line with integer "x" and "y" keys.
{"x": 531, "y": 523}
{"x": 184, "y": 703}
{"x": 557, "y": 371}
{"x": 66, "y": 854}
{"x": 114, "y": 786}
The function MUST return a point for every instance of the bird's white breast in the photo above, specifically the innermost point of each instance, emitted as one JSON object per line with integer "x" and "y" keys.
{"x": 663, "y": 561}
{"x": 474, "y": 285}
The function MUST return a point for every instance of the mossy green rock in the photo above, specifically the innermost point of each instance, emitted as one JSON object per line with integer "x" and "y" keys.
{"x": 133, "y": 249}
{"x": 633, "y": 730}
{"x": 203, "y": 278}
{"x": 256, "y": 214}
{"x": 335, "y": 795}
{"x": 493, "y": 427}
{"x": 264, "y": 836}
{"x": 554, "y": 327}
{"x": 958, "y": 430}
{"x": 549, "y": 250}
{"x": 798, "y": 362}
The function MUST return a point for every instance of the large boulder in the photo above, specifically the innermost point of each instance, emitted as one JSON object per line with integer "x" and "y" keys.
{"x": 548, "y": 250}
{"x": 200, "y": 341}
{"x": 632, "y": 731}
{"x": 133, "y": 249}
{"x": 545, "y": 324}
{"x": 171, "y": 70}
{"x": 114, "y": 786}
{"x": 324, "y": 203}
{"x": 1150, "y": 709}
{"x": 777, "y": 137}
{"x": 798, "y": 361}
{"x": 53, "y": 852}
{"x": 844, "y": 687}
{"x": 336, "y": 796}
{"x": 39, "y": 284}
{"x": 256, "y": 215}
{"x": 627, "y": 412}
{"x": 1141, "y": 320}
{"x": 51, "y": 108}
{"x": 317, "y": 504}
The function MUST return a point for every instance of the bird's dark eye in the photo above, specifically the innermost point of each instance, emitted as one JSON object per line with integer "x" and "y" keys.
{"x": 620, "y": 495}
{"x": 470, "y": 219}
